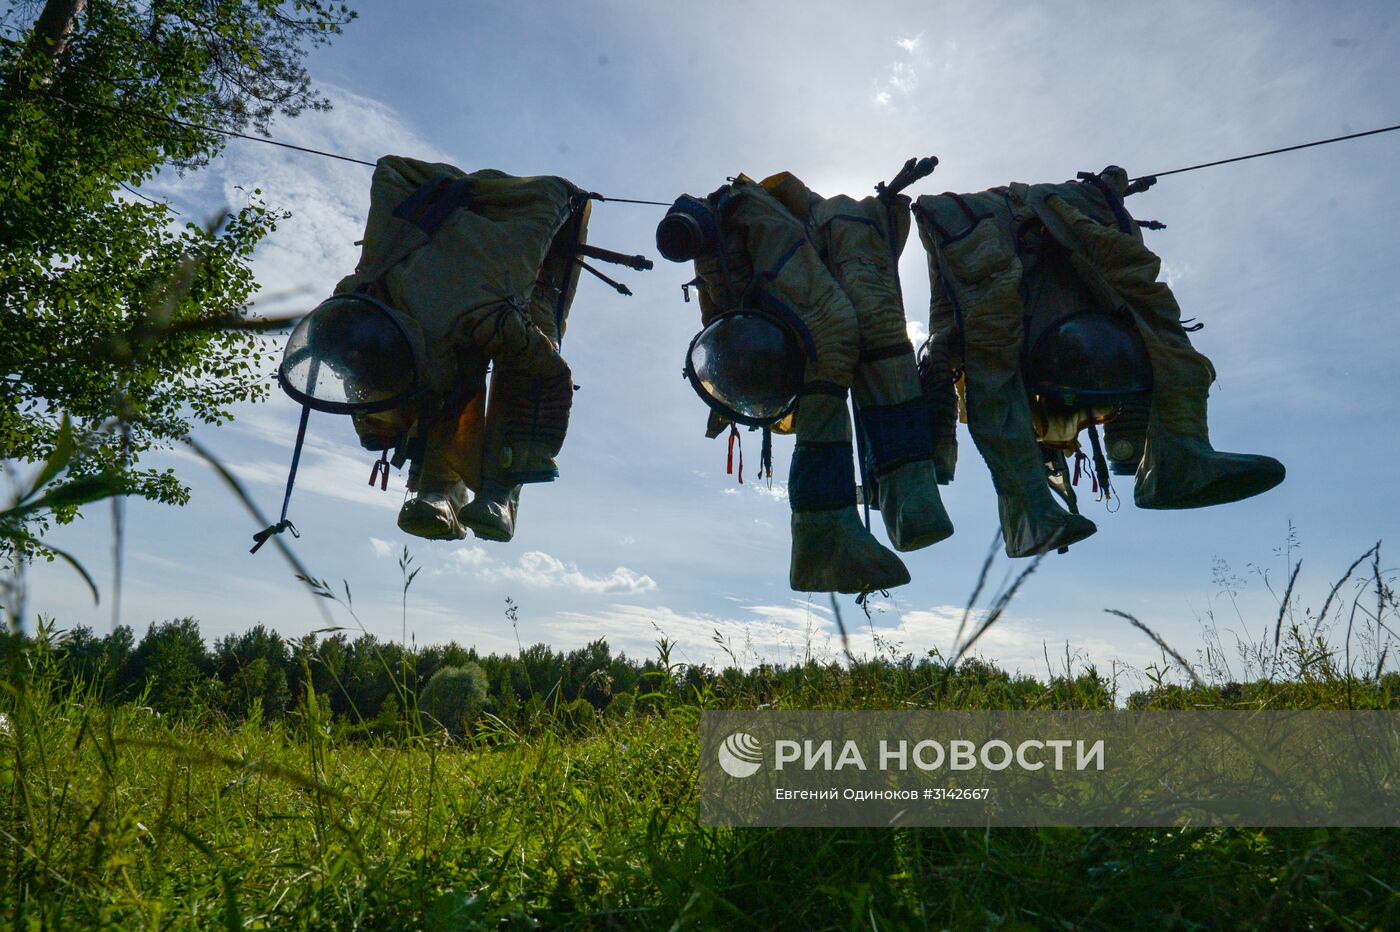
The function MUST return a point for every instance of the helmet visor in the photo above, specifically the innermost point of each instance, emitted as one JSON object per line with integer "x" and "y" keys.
{"x": 350, "y": 355}
{"x": 747, "y": 366}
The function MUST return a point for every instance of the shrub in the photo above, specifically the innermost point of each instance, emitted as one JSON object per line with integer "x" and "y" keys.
{"x": 454, "y": 697}
{"x": 621, "y": 705}
{"x": 579, "y": 715}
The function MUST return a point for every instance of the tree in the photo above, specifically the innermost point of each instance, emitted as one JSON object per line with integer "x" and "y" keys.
{"x": 253, "y": 667}
{"x": 111, "y": 310}
{"x": 171, "y": 661}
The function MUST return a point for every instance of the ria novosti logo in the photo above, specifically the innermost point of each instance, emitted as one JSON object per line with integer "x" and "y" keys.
{"x": 740, "y": 755}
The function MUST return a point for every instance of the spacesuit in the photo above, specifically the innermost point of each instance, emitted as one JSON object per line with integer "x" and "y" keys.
{"x": 483, "y": 263}
{"x": 977, "y": 245}
{"x": 766, "y": 255}
{"x": 860, "y": 241}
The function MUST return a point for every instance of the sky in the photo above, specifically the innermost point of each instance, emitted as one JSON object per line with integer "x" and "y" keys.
{"x": 1289, "y": 261}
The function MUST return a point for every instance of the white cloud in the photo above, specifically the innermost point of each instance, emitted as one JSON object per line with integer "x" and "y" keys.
{"x": 791, "y": 632}
{"x": 312, "y": 250}
{"x": 1173, "y": 273}
{"x": 332, "y": 464}
{"x": 539, "y": 570}
{"x": 900, "y": 77}
{"x": 635, "y": 628}
{"x": 796, "y": 614}
{"x": 777, "y": 491}
{"x": 467, "y": 556}
{"x": 918, "y": 332}
{"x": 382, "y": 548}
{"x": 903, "y": 78}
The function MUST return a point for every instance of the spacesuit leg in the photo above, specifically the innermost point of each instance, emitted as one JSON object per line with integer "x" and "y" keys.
{"x": 1179, "y": 468}
{"x": 986, "y": 276}
{"x": 893, "y": 418}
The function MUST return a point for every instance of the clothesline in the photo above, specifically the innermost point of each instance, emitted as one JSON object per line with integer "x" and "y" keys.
{"x": 624, "y": 200}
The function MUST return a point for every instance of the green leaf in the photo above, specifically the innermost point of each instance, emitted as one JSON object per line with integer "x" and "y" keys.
{"x": 63, "y": 451}
{"x": 80, "y": 491}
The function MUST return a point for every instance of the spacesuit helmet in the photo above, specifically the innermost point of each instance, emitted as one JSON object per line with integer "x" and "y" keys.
{"x": 1089, "y": 359}
{"x": 747, "y": 366}
{"x": 353, "y": 354}
{"x": 689, "y": 229}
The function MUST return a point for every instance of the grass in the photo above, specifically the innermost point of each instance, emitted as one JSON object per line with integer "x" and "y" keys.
{"x": 113, "y": 817}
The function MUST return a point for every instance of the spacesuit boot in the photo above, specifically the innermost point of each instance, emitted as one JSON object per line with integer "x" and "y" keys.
{"x": 432, "y": 513}
{"x": 1179, "y": 470}
{"x": 831, "y": 550}
{"x": 491, "y": 514}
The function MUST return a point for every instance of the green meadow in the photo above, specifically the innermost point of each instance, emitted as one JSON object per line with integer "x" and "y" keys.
{"x": 559, "y": 790}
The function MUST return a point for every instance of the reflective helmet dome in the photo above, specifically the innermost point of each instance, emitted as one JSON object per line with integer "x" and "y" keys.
{"x": 747, "y": 366}
{"x": 350, "y": 355}
{"x": 1089, "y": 359}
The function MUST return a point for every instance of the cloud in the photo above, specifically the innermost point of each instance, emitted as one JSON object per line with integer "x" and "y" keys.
{"x": 797, "y": 614}
{"x": 777, "y": 491}
{"x": 796, "y": 630}
{"x": 313, "y": 249}
{"x": 332, "y": 464}
{"x": 910, "y": 44}
{"x": 635, "y": 629}
{"x": 539, "y": 570}
{"x": 901, "y": 78}
{"x": 382, "y": 548}
{"x": 466, "y": 557}
{"x": 918, "y": 332}
{"x": 1173, "y": 273}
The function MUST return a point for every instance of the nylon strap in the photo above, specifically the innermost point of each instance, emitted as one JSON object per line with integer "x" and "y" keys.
{"x": 733, "y": 439}
{"x": 283, "y": 524}
{"x": 1100, "y": 463}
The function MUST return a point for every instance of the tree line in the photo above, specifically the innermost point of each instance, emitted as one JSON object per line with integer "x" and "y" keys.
{"x": 365, "y": 681}
{"x": 360, "y": 679}
{"x": 376, "y": 686}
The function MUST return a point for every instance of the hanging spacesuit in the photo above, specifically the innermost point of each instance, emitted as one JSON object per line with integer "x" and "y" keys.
{"x": 484, "y": 263}
{"x": 860, "y": 242}
{"x": 759, "y": 249}
{"x": 982, "y": 309}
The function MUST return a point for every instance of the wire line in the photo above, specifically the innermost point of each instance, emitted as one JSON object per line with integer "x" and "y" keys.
{"x": 212, "y": 129}
{"x": 625, "y": 200}
{"x": 1260, "y": 155}
{"x": 287, "y": 145}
